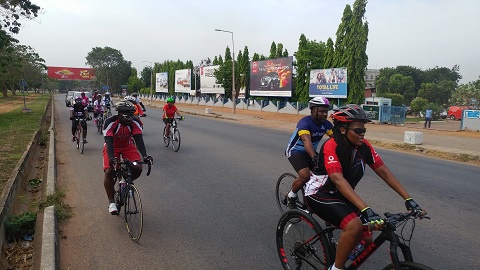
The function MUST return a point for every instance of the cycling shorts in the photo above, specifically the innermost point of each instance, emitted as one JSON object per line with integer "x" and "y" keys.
{"x": 300, "y": 161}
{"x": 167, "y": 120}
{"x": 129, "y": 152}
{"x": 334, "y": 209}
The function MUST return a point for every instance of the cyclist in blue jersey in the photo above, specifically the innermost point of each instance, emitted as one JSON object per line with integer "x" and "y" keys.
{"x": 302, "y": 147}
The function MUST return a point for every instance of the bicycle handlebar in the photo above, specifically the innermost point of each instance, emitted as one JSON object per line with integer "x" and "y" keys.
{"x": 394, "y": 219}
{"x": 133, "y": 163}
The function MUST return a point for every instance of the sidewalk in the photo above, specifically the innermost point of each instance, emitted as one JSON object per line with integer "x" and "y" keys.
{"x": 444, "y": 136}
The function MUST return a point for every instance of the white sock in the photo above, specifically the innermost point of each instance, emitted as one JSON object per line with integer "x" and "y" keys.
{"x": 335, "y": 268}
{"x": 292, "y": 194}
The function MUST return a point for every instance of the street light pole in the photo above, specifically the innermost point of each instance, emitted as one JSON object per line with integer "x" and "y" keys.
{"x": 151, "y": 78}
{"x": 233, "y": 70}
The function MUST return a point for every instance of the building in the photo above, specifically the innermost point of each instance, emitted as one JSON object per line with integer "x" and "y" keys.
{"x": 370, "y": 76}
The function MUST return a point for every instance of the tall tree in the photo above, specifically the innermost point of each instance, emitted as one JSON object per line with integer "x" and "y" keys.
{"x": 438, "y": 74}
{"x": 244, "y": 68}
{"x": 301, "y": 63}
{"x": 273, "y": 50}
{"x": 403, "y": 85}
{"x": 107, "y": 62}
{"x": 11, "y": 11}
{"x": 329, "y": 54}
{"x": 341, "y": 42}
{"x": 224, "y": 73}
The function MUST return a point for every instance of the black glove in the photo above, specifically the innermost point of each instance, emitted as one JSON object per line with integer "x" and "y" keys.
{"x": 148, "y": 160}
{"x": 315, "y": 161}
{"x": 71, "y": 117}
{"x": 368, "y": 216}
{"x": 411, "y": 205}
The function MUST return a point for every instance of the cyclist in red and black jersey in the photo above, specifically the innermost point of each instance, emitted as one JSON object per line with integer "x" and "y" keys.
{"x": 123, "y": 136}
{"x": 330, "y": 191}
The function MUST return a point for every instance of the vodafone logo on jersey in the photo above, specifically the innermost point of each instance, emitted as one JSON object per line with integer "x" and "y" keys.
{"x": 331, "y": 160}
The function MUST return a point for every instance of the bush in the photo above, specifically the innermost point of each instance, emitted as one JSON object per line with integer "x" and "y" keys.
{"x": 18, "y": 226}
{"x": 418, "y": 104}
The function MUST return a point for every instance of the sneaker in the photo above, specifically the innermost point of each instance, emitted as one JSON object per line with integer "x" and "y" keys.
{"x": 73, "y": 139}
{"x": 112, "y": 209}
{"x": 292, "y": 202}
{"x": 85, "y": 141}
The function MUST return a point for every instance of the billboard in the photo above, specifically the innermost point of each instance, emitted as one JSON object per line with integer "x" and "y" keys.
{"x": 68, "y": 73}
{"x": 331, "y": 83}
{"x": 182, "y": 81}
{"x": 271, "y": 77}
{"x": 208, "y": 82}
{"x": 161, "y": 82}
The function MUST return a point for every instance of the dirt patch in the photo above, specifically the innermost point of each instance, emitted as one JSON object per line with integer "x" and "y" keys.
{"x": 14, "y": 102}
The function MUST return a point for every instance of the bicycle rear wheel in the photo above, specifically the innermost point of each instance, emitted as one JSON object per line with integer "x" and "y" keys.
{"x": 176, "y": 140}
{"x": 166, "y": 140}
{"x": 77, "y": 138}
{"x": 300, "y": 243}
{"x": 284, "y": 185}
{"x": 409, "y": 266}
{"x": 99, "y": 124}
{"x": 133, "y": 212}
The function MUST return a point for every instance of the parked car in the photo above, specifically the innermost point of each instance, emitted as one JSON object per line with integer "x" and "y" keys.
{"x": 270, "y": 81}
{"x": 456, "y": 112}
{"x": 69, "y": 98}
{"x": 443, "y": 114}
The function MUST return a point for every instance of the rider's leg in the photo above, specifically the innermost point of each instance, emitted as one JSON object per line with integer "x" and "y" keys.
{"x": 350, "y": 237}
{"x": 84, "y": 126}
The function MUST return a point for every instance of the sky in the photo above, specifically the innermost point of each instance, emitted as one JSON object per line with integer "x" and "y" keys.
{"x": 418, "y": 33}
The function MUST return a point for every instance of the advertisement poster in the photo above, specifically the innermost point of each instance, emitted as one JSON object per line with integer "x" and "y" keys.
{"x": 331, "y": 83}
{"x": 182, "y": 81}
{"x": 271, "y": 77}
{"x": 208, "y": 82}
{"x": 161, "y": 82}
{"x": 68, "y": 73}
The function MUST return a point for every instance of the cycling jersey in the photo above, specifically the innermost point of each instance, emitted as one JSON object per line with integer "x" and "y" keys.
{"x": 107, "y": 101}
{"x": 307, "y": 125}
{"x": 330, "y": 163}
{"x": 78, "y": 110}
{"x": 98, "y": 106}
{"x": 85, "y": 101}
{"x": 169, "y": 111}
{"x": 122, "y": 134}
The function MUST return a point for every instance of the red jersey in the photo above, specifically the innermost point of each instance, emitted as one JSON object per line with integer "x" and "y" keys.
{"x": 122, "y": 134}
{"x": 169, "y": 111}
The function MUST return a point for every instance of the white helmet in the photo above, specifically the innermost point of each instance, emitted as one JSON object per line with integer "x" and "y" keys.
{"x": 319, "y": 102}
{"x": 131, "y": 99}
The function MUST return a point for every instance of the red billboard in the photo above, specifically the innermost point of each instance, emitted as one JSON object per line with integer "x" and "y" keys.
{"x": 272, "y": 77}
{"x": 67, "y": 73}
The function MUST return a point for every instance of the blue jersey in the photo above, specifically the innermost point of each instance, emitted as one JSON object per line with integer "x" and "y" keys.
{"x": 307, "y": 125}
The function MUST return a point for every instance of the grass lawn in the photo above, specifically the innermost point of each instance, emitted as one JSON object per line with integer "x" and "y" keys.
{"x": 17, "y": 128}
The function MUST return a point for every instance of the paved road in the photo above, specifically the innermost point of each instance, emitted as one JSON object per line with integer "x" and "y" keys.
{"x": 211, "y": 205}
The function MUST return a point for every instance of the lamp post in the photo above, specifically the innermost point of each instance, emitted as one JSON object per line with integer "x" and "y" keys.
{"x": 233, "y": 69}
{"x": 151, "y": 78}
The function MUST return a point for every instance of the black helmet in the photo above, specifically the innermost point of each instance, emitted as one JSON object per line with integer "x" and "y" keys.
{"x": 350, "y": 113}
{"x": 125, "y": 107}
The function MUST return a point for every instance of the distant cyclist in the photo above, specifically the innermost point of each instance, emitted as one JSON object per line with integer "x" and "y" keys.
{"x": 139, "y": 101}
{"x": 107, "y": 99}
{"x": 169, "y": 111}
{"x": 123, "y": 136}
{"x": 85, "y": 99}
{"x": 79, "y": 111}
{"x": 98, "y": 108}
{"x": 302, "y": 147}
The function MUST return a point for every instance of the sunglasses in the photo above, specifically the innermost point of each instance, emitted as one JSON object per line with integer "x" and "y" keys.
{"x": 359, "y": 130}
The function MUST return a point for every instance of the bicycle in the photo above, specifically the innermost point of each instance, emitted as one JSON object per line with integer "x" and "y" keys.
{"x": 79, "y": 135}
{"x": 100, "y": 121}
{"x": 302, "y": 243}
{"x": 127, "y": 195}
{"x": 174, "y": 135}
{"x": 108, "y": 113}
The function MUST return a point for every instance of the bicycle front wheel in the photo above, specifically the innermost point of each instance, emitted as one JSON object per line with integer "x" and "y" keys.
{"x": 176, "y": 140}
{"x": 133, "y": 212}
{"x": 81, "y": 141}
{"x": 409, "y": 266}
{"x": 301, "y": 243}
{"x": 166, "y": 141}
{"x": 284, "y": 185}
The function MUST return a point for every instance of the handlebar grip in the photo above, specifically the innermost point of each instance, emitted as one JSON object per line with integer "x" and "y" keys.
{"x": 149, "y": 168}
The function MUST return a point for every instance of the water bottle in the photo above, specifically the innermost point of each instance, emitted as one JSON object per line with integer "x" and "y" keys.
{"x": 130, "y": 193}
{"x": 357, "y": 250}
{"x": 122, "y": 186}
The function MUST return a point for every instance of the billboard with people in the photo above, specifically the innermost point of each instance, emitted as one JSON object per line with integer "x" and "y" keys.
{"x": 68, "y": 73}
{"x": 161, "y": 82}
{"x": 331, "y": 82}
{"x": 271, "y": 77}
{"x": 208, "y": 81}
{"x": 183, "y": 81}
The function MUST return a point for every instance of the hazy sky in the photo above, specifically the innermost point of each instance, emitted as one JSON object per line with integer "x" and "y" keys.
{"x": 422, "y": 33}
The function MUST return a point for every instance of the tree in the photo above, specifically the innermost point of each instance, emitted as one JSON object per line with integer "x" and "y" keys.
{"x": 135, "y": 84}
{"x": 301, "y": 56}
{"x": 11, "y": 11}
{"x": 438, "y": 93}
{"x": 403, "y": 85}
{"x": 397, "y": 99}
{"x": 224, "y": 73}
{"x": 273, "y": 50}
{"x": 110, "y": 67}
{"x": 417, "y": 105}
{"x": 439, "y": 74}
{"x": 465, "y": 94}
{"x": 329, "y": 54}
{"x": 339, "y": 59}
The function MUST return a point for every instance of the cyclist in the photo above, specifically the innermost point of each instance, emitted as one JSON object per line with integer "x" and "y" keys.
{"x": 107, "y": 99}
{"x": 302, "y": 147}
{"x": 341, "y": 164}
{"x": 169, "y": 111}
{"x": 138, "y": 110}
{"x": 139, "y": 101}
{"x": 94, "y": 97}
{"x": 85, "y": 100}
{"x": 98, "y": 108}
{"x": 123, "y": 135}
{"x": 79, "y": 111}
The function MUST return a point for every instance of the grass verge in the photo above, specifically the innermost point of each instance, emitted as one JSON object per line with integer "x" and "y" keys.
{"x": 17, "y": 129}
